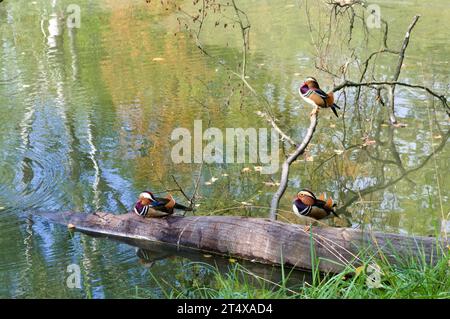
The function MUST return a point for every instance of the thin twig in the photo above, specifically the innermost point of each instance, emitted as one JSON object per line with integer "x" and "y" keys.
{"x": 401, "y": 57}
{"x": 348, "y": 83}
{"x": 180, "y": 188}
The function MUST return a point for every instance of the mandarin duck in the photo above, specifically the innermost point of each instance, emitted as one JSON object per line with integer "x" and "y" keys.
{"x": 312, "y": 94}
{"x": 160, "y": 207}
{"x": 307, "y": 204}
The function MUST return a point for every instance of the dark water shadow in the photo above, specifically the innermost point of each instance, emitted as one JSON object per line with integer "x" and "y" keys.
{"x": 253, "y": 273}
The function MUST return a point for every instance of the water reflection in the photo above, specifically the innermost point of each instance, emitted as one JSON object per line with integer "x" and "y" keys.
{"x": 87, "y": 115}
{"x": 255, "y": 273}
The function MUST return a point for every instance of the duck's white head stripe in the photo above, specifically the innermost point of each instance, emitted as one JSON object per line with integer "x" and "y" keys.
{"x": 147, "y": 195}
{"x": 311, "y": 79}
{"x": 306, "y": 193}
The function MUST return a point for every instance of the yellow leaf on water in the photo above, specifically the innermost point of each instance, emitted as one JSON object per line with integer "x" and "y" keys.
{"x": 400, "y": 125}
{"x": 271, "y": 184}
{"x": 359, "y": 270}
{"x": 207, "y": 256}
{"x": 158, "y": 59}
{"x": 437, "y": 136}
{"x": 368, "y": 142}
{"x": 332, "y": 125}
{"x": 2, "y": 208}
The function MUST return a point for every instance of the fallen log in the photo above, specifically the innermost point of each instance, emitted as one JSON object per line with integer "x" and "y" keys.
{"x": 257, "y": 239}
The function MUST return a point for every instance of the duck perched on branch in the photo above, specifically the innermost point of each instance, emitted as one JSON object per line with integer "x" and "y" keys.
{"x": 312, "y": 94}
{"x": 307, "y": 204}
{"x": 150, "y": 206}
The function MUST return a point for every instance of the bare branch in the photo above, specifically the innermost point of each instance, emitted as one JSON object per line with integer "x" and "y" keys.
{"x": 283, "y": 135}
{"x": 180, "y": 188}
{"x": 401, "y": 57}
{"x": 286, "y": 165}
{"x": 348, "y": 83}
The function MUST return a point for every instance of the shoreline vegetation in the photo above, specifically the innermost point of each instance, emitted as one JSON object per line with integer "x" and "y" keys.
{"x": 413, "y": 278}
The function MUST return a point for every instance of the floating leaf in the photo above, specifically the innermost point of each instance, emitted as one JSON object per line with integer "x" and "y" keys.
{"x": 271, "y": 184}
{"x": 332, "y": 125}
{"x": 338, "y": 152}
{"x": 359, "y": 270}
{"x": 158, "y": 59}
{"x": 368, "y": 141}
{"x": 437, "y": 136}
{"x": 211, "y": 181}
{"x": 207, "y": 256}
{"x": 400, "y": 125}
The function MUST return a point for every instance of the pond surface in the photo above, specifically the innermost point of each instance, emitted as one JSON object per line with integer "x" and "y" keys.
{"x": 87, "y": 115}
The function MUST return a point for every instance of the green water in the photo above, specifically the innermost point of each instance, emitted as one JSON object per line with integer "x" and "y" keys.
{"x": 87, "y": 113}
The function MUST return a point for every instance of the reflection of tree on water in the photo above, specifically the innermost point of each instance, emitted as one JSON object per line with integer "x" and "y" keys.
{"x": 380, "y": 165}
{"x": 150, "y": 253}
{"x": 148, "y": 257}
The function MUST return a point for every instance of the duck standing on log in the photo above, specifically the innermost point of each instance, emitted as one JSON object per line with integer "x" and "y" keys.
{"x": 312, "y": 94}
{"x": 150, "y": 206}
{"x": 307, "y": 204}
